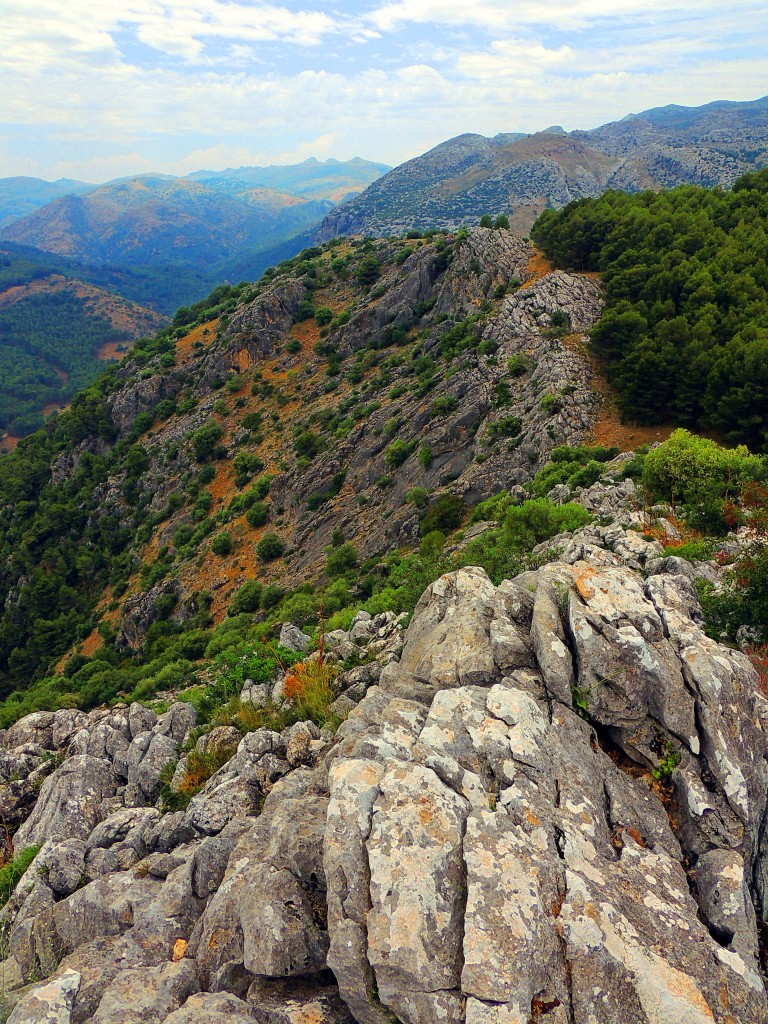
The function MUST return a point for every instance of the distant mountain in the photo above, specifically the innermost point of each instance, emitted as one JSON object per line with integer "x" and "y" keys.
{"x": 56, "y": 331}
{"x": 170, "y": 240}
{"x": 153, "y": 220}
{"x": 180, "y": 237}
{"x": 335, "y": 180}
{"x": 21, "y": 195}
{"x": 460, "y": 180}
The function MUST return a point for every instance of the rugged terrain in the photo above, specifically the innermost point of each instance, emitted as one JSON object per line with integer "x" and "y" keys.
{"x": 464, "y": 178}
{"x": 56, "y": 331}
{"x": 184, "y": 235}
{"x": 498, "y": 831}
{"x": 409, "y": 386}
{"x": 294, "y": 755}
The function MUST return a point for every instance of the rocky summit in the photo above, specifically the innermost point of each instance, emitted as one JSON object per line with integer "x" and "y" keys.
{"x": 547, "y": 803}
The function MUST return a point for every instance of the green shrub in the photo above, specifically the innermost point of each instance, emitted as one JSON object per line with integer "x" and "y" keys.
{"x": 742, "y": 602}
{"x": 444, "y": 513}
{"x": 257, "y": 514}
{"x": 270, "y": 547}
{"x": 398, "y": 452}
{"x": 537, "y": 520}
{"x": 222, "y": 544}
{"x": 425, "y": 456}
{"x": 443, "y": 406}
{"x": 519, "y": 365}
{"x": 246, "y": 599}
{"x": 688, "y": 470}
{"x": 509, "y": 426}
{"x": 252, "y": 421}
{"x": 12, "y": 873}
{"x": 246, "y": 465}
{"x": 418, "y": 496}
{"x": 340, "y": 560}
{"x": 205, "y": 440}
{"x": 551, "y": 404}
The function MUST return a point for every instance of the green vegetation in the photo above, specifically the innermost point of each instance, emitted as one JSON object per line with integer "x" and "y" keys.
{"x": 12, "y": 873}
{"x": 48, "y": 348}
{"x": 576, "y": 467}
{"x": 684, "y": 334}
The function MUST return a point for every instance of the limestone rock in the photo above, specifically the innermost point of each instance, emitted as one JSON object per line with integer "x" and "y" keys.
{"x": 293, "y": 638}
{"x": 50, "y": 1003}
{"x": 150, "y": 993}
{"x": 71, "y": 802}
{"x": 212, "y": 1008}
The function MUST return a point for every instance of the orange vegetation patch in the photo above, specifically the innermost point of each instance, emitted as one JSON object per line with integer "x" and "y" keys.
{"x": 112, "y": 350}
{"x": 54, "y": 407}
{"x": 538, "y": 267}
{"x": 307, "y": 332}
{"x": 91, "y": 644}
{"x": 223, "y": 484}
{"x": 204, "y": 333}
{"x": 8, "y": 443}
{"x": 222, "y": 576}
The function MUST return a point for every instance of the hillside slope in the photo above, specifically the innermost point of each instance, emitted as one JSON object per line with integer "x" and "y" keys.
{"x": 150, "y": 220}
{"x": 56, "y": 331}
{"x": 331, "y": 179}
{"x": 547, "y": 801}
{"x": 469, "y": 176}
{"x": 22, "y": 195}
{"x": 432, "y": 364}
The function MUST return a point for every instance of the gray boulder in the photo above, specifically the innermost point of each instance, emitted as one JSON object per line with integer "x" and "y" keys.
{"x": 50, "y": 1003}
{"x": 71, "y": 802}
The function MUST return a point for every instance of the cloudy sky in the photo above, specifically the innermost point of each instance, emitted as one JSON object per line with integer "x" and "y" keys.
{"x": 93, "y": 91}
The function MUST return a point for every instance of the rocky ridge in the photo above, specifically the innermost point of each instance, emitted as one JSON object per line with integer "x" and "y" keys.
{"x": 547, "y": 802}
{"x": 464, "y": 178}
{"x": 489, "y": 430}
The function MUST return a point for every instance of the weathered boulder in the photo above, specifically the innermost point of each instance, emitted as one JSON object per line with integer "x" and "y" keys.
{"x": 50, "y": 1003}
{"x": 71, "y": 802}
{"x": 213, "y": 1008}
{"x": 293, "y": 638}
{"x": 267, "y": 917}
{"x": 151, "y": 994}
{"x": 489, "y": 861}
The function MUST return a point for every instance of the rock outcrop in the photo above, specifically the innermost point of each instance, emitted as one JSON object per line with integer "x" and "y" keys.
{"x": 547, "y": 802}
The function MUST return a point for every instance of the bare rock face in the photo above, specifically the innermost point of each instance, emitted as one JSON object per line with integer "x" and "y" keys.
{"x": 497, "y": 861}
{"x": 71, "y": 802}
{"x": 48, "y": 1004}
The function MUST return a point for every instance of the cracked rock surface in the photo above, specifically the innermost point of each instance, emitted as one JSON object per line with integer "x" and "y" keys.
{"x": 547, "y": 803}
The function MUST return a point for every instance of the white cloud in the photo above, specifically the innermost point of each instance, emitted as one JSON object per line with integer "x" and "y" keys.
{"x": 228, "y": 83}
{"x": 565, "y": 14}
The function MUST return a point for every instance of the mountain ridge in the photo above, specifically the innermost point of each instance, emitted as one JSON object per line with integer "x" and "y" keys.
{"x": 522, "y": 177}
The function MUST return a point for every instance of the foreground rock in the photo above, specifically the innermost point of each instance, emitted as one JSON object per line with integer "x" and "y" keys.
{"x": 548, "y": 803}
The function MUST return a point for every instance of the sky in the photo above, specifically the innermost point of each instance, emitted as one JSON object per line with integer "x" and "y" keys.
{"x": 94, "y": 91}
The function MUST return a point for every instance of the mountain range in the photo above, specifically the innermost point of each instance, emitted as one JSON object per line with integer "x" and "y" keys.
{"x": 86, "y": 269}
{"x": 358, "y": 666}
{"x": 163, "y": 242}
{"x": 462, "y": 179}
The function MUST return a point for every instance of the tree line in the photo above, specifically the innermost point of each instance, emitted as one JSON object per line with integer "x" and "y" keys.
{"x": 684, "y": 332}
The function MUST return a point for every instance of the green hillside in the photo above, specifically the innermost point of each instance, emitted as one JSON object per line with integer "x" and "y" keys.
{"x": 684, "y": 335}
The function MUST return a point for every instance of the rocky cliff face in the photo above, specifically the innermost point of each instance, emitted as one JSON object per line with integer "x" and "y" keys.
{"x": 547, "y": 803}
